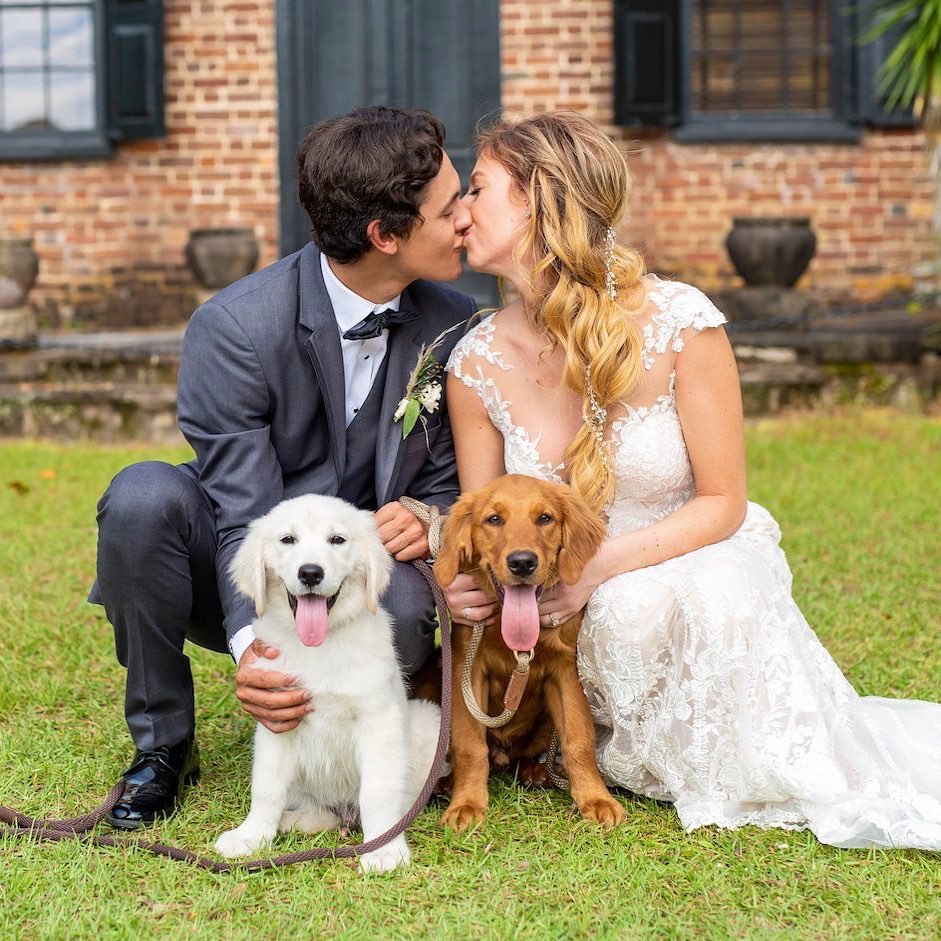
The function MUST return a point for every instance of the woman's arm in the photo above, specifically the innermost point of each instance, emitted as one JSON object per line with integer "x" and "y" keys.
{"x": 709, "y": 403}
{"x": 477, "y": 444}
{"x": 479, "y": 450}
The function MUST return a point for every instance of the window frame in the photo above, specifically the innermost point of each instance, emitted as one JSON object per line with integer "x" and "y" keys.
{"x": 727, "y": 126}
{"x": 652, "y": 80}
{"x": 56, "y": 144}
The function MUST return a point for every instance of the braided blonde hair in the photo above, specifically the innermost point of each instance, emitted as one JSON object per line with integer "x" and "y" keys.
{"x": 577, "y": 185}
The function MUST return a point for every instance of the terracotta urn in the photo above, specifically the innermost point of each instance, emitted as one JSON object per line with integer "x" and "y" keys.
{"x": 771, "y": 252}
{"x": 217, "y": 257}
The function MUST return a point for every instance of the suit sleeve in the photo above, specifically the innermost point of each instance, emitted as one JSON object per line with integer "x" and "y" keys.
{"x": 223, "y": 407}
{"x": 437, "y": 481}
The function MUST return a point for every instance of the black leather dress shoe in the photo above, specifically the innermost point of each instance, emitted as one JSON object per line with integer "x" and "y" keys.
{"x": 153, "y": 785}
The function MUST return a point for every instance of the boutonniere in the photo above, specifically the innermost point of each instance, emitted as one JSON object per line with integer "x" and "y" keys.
{"x": 423, "y": 389}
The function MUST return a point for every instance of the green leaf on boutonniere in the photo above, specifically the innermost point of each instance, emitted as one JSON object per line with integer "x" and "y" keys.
{"x": 412, "y": 411}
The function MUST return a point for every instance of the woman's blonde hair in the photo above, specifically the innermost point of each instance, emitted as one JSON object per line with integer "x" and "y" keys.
{"x": 577, "y": 186}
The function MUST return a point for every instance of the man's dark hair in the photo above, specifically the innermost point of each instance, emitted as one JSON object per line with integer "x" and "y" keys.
{"x": 373, "y": 163}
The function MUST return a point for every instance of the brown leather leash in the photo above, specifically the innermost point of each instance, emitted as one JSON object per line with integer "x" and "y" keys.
{"x": 75, "y": 828}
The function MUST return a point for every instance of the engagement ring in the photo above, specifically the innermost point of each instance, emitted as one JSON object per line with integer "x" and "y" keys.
{"x": 554, "y": 619}
{"x": 467, "y": 613}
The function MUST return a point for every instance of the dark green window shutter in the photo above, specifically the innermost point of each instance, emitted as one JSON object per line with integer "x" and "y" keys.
{"x": 648, "y": 49}
{"x": 869, "y": 103}
{"x": 134, "y": 68}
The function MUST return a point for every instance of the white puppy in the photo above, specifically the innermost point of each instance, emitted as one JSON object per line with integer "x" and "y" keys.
{"x": 316, "y": 568}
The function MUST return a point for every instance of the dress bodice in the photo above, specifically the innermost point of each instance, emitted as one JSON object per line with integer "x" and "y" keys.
{"x": 653, "y": 476}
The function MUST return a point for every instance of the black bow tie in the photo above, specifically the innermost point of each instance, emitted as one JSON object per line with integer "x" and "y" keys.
{"x": 374, "y": 323}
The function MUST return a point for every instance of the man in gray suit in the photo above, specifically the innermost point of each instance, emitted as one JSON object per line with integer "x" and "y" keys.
{"x": 289, "y": 384}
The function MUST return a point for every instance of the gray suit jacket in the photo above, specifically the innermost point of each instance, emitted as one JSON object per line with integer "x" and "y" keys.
{"x": 261, "y": 401}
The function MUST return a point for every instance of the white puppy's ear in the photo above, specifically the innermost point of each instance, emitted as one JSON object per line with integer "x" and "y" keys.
{"x": 248, "y": 571}
{"x": 378, "y": 567}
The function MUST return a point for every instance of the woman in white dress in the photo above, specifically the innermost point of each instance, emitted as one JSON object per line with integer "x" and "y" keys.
{"x": 707, "y": 686}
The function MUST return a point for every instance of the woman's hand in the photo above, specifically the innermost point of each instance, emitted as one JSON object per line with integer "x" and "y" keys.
{"x": 467, "y": 603}
{"x": 565, "y": 601}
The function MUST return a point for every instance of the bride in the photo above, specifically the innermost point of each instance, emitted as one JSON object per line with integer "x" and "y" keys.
{"x": 707, "y": 686}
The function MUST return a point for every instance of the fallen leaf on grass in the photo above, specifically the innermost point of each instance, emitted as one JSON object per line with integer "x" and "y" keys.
{"x": 47, "y": 474}
{"x": 18, "y": 486}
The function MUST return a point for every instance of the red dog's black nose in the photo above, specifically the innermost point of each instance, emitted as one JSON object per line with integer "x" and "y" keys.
{"x": 522, "y": 563}
{"x": 310, "y": 575}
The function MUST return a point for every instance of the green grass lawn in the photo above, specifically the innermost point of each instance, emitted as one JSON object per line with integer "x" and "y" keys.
{"x": 858, "y": 499}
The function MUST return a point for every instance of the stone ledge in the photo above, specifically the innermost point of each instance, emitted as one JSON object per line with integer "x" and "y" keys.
{"x": 97, "y": 411}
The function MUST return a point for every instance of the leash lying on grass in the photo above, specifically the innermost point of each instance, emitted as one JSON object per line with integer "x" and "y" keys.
{"x": 77, "y": 828}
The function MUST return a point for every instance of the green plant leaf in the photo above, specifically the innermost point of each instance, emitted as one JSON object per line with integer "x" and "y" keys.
{"x": 411, "y": 416}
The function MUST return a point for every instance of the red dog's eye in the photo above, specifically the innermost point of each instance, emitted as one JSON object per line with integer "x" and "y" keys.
{"x": 494, "y": 520}
{"x": 544, "y": 519}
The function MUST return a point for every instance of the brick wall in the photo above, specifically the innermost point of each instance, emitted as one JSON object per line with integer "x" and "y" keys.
{"x": 870, "y": 204}
{"x": 110, "y": 233}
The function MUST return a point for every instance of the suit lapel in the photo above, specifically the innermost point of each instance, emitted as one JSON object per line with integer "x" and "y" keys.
{"x": 402, "y": 355}
{"x": 323, "y": 348}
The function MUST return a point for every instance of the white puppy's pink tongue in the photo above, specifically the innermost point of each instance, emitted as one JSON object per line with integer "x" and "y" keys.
{"x": 519, "y": 624}
{"x": 311, "y": 619}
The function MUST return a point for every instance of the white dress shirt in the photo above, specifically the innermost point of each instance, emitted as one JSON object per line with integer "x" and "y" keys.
{"x": 361, "y": 362}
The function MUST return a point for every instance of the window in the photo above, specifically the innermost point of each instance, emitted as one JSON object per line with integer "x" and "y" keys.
{"x": 76, "y": 75}
{"x": 748, "y": 69}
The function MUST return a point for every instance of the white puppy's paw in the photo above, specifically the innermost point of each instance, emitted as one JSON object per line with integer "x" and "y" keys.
{"x": 240, "y": 842}
{"x": 387, "y": 857}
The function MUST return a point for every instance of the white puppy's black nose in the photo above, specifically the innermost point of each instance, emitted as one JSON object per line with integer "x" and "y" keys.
{"x": 310, "y": 575}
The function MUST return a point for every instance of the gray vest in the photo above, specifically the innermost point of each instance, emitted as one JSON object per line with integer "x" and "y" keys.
{"x": 359, "y": 475}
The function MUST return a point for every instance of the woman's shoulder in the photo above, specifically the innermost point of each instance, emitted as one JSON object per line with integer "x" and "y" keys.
{"x": 480, "y": 344}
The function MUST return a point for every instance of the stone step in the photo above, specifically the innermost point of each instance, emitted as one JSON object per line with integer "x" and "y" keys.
{"x": 96, "y": 411}
{"x": 119, "y": 411}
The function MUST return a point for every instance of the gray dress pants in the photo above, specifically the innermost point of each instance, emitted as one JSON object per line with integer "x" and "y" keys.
{"x": 157, "y": 582}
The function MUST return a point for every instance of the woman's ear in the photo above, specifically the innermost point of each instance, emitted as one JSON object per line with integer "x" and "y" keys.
{"x": 248, "y": 570}
{"x": 457, "y": 538}
{"x": 583, "y": 531}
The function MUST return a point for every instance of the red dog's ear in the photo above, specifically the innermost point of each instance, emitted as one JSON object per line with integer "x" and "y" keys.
{"x": 583, "y": 531}
{"x": 457, "y": 550}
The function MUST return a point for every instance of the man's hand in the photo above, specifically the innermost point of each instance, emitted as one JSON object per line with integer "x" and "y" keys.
{"x": 402, "y": 532}
{"x": 273, "y": 699}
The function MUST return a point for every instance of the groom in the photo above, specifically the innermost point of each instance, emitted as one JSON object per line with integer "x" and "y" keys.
{"x": 289, "y": 384}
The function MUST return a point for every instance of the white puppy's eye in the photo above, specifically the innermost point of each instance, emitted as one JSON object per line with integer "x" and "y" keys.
{"x": 337, "y": 540}
{"x": 289, "y": 540}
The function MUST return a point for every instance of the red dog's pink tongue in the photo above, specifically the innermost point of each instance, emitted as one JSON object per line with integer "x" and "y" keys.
{"x": 520, "y": 622}
{"x": 311, "y": 619}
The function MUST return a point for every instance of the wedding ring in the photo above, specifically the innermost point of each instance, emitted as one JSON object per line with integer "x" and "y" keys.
{"x": 554, "y": 619}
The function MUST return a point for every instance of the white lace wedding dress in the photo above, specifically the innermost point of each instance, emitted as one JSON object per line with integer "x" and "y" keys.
{"x": 707, "y": 686}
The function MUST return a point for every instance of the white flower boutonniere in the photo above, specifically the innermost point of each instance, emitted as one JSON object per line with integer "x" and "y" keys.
{"x": 423, "y": 390}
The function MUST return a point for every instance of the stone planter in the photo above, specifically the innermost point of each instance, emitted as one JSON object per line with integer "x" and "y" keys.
{"x": 771, "y": 252}
{"x": 19, "y": 266}
{"x": 217, "y": 257}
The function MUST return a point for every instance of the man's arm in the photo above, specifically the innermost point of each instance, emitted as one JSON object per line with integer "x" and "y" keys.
{"x": 223, "y": 405}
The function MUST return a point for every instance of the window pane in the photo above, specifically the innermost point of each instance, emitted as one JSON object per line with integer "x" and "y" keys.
{"x": 73, "y": 100}
{"x": 761, "y": 56}
{"x": 70, "y": 37}
{"x": 23, "y": 102}
{"x": 21, "y": 38}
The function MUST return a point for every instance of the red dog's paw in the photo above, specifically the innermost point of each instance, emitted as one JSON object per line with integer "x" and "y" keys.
{"x": 604, "y": 810}
{"x": 463, "y": 816}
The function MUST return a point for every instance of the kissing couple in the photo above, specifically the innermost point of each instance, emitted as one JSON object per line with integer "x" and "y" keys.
{"x": 707, "y": 686}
